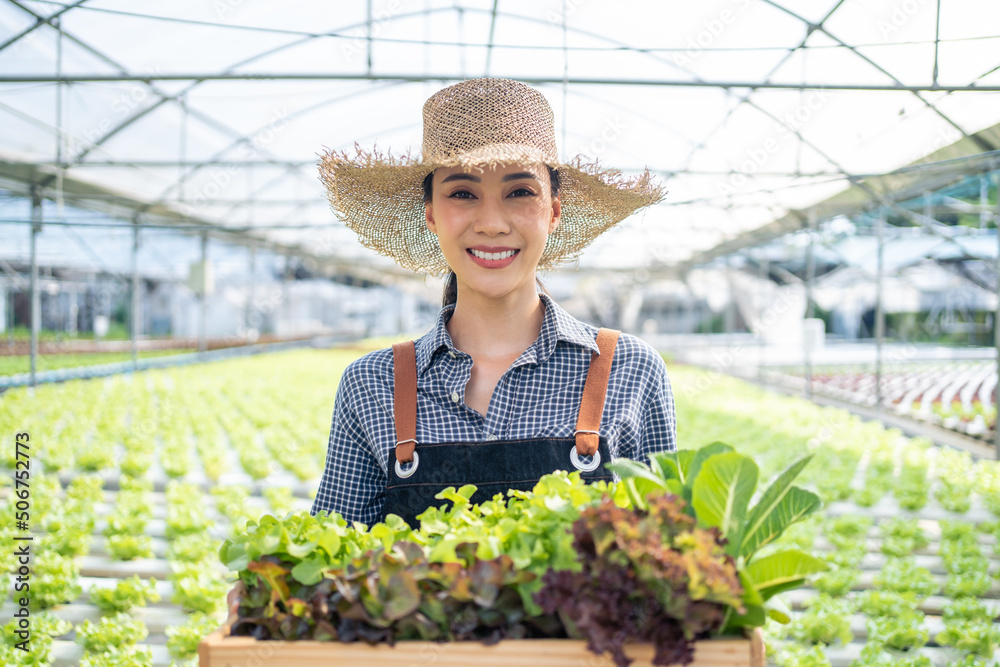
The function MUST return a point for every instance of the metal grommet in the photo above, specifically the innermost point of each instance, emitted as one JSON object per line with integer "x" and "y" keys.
{"x": 574, "y": 458}
{"x": 413, "y": 468}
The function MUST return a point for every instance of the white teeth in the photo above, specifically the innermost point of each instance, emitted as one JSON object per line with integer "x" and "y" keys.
{"x": 492, "y": 255}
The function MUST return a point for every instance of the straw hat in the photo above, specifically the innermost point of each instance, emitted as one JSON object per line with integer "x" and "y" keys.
{"x": 476, "y": 122}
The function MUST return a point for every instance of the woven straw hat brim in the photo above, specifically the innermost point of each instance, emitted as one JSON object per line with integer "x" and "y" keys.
{"x": 380, "y": 197}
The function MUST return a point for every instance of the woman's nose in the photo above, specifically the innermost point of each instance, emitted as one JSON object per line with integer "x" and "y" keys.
{"x": 490, "y": 218}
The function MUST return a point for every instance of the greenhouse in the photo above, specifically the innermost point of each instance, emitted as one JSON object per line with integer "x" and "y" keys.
{"x": 773, "y": 224}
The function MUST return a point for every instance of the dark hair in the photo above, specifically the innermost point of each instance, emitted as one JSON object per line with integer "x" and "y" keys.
{"x": 450, "y": 294}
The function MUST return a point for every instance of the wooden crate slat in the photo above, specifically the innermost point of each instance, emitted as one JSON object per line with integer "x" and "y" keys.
{"x": 219, "y": 650}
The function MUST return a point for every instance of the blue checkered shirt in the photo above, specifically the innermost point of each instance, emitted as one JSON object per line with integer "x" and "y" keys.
{"x": 537, "y": 397}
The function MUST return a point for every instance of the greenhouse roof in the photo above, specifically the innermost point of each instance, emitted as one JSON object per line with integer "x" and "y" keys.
{"x": 750, "y": 112}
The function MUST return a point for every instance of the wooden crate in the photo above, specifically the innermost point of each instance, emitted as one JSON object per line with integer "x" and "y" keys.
{"x": 220, "y": 650}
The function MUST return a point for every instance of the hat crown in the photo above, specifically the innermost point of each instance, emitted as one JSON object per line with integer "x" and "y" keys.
{"x": 487, "y": 120}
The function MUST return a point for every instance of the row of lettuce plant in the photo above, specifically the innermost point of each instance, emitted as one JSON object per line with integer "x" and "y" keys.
{"x": 69, "y": 522}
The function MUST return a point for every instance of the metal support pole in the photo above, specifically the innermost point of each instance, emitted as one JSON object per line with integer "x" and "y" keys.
{"x": 810, "y": 273}
{"x": 996, "y": 321}
{"x": 36, "y": 297}
{"x": 729, "y": 317}
{"x": 286, "y": 307}
{"x": 764, "y": 271}
{"x": 136, "y": 301}
{"x": 984, "y": 202}
{"x": 879, "y": 315}
{"x": 202, "y": 298}
{"x": 74, "y": 312}
{"x": 369, "y": 36}
{"x": 937, "y": 42}
{"x": 252, "y": 296}
{"x": 9, "y": 305}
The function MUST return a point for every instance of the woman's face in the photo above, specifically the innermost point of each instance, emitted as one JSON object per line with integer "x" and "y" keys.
{"x": 503, "y": 214}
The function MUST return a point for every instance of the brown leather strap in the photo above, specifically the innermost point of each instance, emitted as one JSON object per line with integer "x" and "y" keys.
{"x": 594, "y": 390}
{"x": 404, "y": 395}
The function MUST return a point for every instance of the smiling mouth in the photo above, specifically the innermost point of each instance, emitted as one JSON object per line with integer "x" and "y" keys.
{"x": 492, "y": 255}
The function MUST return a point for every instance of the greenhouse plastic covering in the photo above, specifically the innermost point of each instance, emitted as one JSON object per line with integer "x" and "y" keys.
{"x": 747, "y": 110}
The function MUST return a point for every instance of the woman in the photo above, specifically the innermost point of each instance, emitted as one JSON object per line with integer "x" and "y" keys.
{"x": 507, "y": 386}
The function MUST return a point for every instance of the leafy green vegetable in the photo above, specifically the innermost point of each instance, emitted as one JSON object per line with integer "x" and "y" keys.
{"x": 196, "y": 588}
{"x": 979, "y": 637}
{"x": 136, "y": 463}
{"x": 720, "y": 495}
{"x": 130, "y": 547}
{"x": 826, "y": 621}
{"x": 127, "y": 593}
{"x": 390, "y": 594}
{"x": 886, "y": 603}
{"x": 124, "y": 656}
{"x": 125, "y": 524}
{"x": 903, "y": 631}
{"x": 648, "y": 575}
{"x": 290, "y": 563}
{"x": 195, "y": 547}
{"x": 96, "y": 454}
{"x": 234, "y": 503}
{"x": 965, "y": 583}
{"x": 796, "y": 655}
{"x": 968, "y": 609}
{"x": 954, "y": 480}
{"x": 67, "y": 535}
{"x": 874, "y": 655}
{"x": 800, "y": 535}
{"x": 532, "y": 528}
{"x": 851, "y": 526}
{"x": 85, "y": 489}
{"x": 912, "y": 485}
{"x": 721, "y": 484}
{"x": 962, "y": 553}
{"x": 779, "y": 506}
{"x": 847, "y": 555}
{"x": 903, "y": 575}
{"x": 183, "y": 640}
{"x": 44, "y": 626}
{"x": 952, "y": 530}
{"x": 871, "y": 493}
{"x": 54, "y": 581}
{"x": 111, "y": 632}
{"x": 185, "y": 510}
{"x": 971, "y": 660}
{"x": 280, "y": 498}
{"x": 901, "y": 536}
{"x": 837, "y": 582}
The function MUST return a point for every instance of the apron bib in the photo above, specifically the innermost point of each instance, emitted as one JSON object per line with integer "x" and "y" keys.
{"x": 419, "y": 471}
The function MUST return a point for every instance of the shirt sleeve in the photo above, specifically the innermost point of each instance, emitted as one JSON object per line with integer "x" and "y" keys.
{"x": 659, "y": 423}
{"x": 353, "y": 483}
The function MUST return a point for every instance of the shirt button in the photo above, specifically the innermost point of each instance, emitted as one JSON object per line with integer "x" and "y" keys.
{"x": 491, "y": 436}
{"x": 455, "y": 397}
{"x": 451, "y": 354}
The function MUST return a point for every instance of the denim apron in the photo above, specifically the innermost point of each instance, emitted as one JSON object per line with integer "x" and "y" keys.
{"x": 419, "y": 471}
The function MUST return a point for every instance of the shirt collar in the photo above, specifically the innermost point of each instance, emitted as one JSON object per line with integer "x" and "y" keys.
{"x": 557, "y": 325}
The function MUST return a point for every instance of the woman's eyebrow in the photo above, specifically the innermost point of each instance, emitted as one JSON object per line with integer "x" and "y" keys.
{"x": 519, "y": 175}
{"x": 460, "y": 176}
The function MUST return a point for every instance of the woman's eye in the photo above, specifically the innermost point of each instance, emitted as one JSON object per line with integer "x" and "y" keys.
{"x": 461, "y": 194}
{"x": 523, "y": 192}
